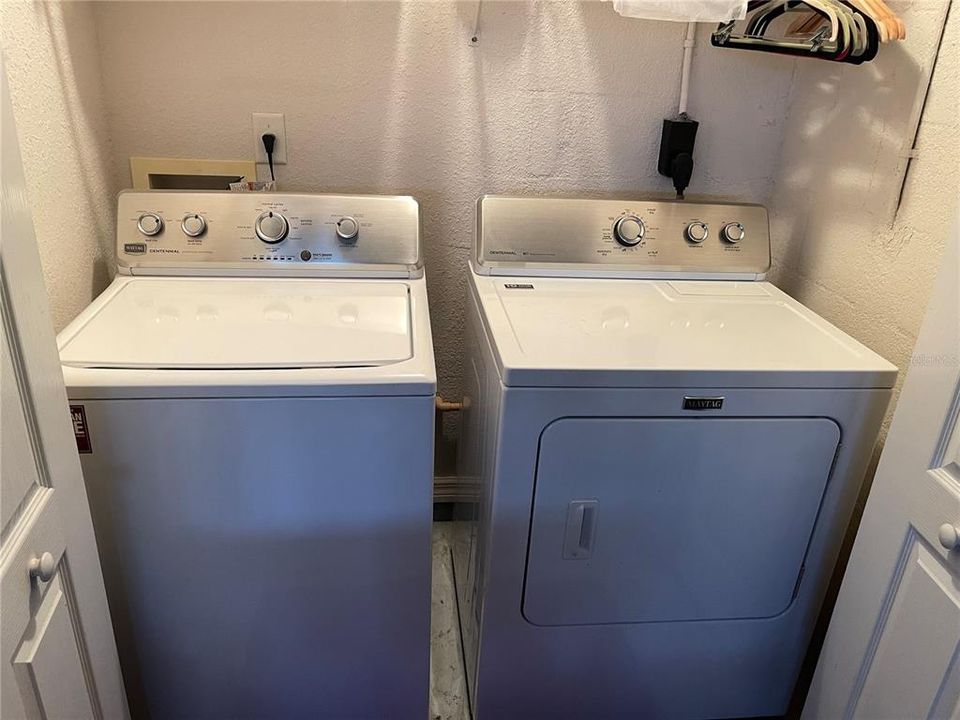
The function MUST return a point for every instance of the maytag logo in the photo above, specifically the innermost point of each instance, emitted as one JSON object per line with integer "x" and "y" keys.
{"x": 702, "y": 403}
{"x": 518, "y": 286}
{"x": 135, "y": 248}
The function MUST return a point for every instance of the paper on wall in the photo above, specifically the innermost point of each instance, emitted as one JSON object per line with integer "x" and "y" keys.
{"x": 253, "y": 186}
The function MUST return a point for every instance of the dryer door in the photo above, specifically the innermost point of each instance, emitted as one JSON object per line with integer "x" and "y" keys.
{"x": 673, "y": 519}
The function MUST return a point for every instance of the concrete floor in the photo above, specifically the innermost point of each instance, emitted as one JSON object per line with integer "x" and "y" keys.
{"x": 448, "y": 689}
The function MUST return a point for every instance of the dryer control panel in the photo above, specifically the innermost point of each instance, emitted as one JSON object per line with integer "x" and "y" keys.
{"x": 621, "y": 238}
{"x": 289, "y": 234}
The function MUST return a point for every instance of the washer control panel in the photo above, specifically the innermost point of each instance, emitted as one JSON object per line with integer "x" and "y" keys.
{"x": 626, "y": 238}
{"x": 294, "y": 234}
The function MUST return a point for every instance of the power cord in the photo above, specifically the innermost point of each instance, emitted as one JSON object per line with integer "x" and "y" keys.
{"x": 269, "y": 140}
{"x": 681, "y": 169}
{"x": 676, "y": 151}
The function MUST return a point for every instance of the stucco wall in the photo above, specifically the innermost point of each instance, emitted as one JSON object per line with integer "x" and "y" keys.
{"x": 53, "y": 66}
{"x": 392, "y": 97}
{"x": 555, "y": 98}
{"x": 838, "y": 246}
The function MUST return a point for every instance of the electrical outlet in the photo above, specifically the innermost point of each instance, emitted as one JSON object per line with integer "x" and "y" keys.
{"x": 264, "y": 123}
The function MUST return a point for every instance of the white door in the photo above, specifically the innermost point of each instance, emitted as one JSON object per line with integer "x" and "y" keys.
{"x": 893, "y": 647}
{"x": 59, "y": 659}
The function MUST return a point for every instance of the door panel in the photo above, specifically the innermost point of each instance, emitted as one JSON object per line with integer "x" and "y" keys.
{"x": 38, "y": 631}
{"x": 50, "y": 663}
{"x": 658, "y": 519}
{"x": 893, "y": 646}
{"x": 18, "y": 469}
{"x": 56, "y": 641}
{"x": 920, "y": 630}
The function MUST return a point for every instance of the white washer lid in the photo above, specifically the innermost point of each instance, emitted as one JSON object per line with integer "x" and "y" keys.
{"x": 230, "y": 323}
{"x": 639, "y": 333}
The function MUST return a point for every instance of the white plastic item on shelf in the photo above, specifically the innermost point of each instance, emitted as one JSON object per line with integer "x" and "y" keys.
{"x": 683, "y": 10}
{"x": 253, "y": 185}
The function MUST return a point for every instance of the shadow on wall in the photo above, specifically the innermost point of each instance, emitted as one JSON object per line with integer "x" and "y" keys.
{"x": 842, "y": 246}
{"x": 846, "y": 153}
{"x": 78, "y": 88}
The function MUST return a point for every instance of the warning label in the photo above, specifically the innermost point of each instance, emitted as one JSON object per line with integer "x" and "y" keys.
{"x": 80, "y": 430}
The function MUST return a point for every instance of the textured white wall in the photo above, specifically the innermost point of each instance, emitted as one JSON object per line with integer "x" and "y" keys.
{"x": 392, "y": 97}
{"x": 556, "y": 97}
{"x": 53, "y": 65}
{"x": 838, "y": 247}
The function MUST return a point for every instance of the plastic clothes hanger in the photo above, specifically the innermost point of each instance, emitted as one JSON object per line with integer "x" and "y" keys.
{"x": 861, "y": 34}
{"x": 870, "y": 11}
{"x": 858, "y": 32}
{"x": 873, "y": 42}
{"x": 816, "y": 46}
{"x": 859, "y": 28}
{"x": 810, "y": 22}
{"x": 761, "y": 21}
{"x": 869, "y": 37}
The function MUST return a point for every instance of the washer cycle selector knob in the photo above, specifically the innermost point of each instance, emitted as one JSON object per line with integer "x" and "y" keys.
{"x": 150, "y": 224}
{"x": 193, "y": 225}
{"x": 347, "y": 229}
{"x": 272, "y": 227}
{"x": 628, "y": 230}
{"x": 732, "y": 232}
{"x": 697, "y": 232}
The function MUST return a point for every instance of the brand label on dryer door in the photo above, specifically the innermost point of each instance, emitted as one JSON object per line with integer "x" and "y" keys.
{"x": 81, "y": 432}
{"x": 702, "y": 403}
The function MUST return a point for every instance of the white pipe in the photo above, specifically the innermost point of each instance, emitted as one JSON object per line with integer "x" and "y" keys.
{"x": 688, "y": 44}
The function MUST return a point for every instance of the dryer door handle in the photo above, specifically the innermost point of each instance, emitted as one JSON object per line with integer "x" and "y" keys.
{"x": 581, "y": 529}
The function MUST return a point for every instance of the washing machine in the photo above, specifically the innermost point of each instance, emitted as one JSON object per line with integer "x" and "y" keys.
{"x": 667, "y": 451}
{"x": 253, "y": 400}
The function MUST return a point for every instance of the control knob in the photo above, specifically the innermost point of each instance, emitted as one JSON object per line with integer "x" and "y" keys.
{"x": 732, "y": 232}
{"x": 628, "y": 230}
{"x": 150, "y": 224}
{"x": 697, "y": 232}
{"x": 193, "y": 225}
{"x": 272, "y": 227}
{"x": 347, "y": 229}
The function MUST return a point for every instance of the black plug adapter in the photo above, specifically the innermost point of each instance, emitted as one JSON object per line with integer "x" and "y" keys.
{"x": 269, "y": 140}
{"x": 676, "y": 151}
